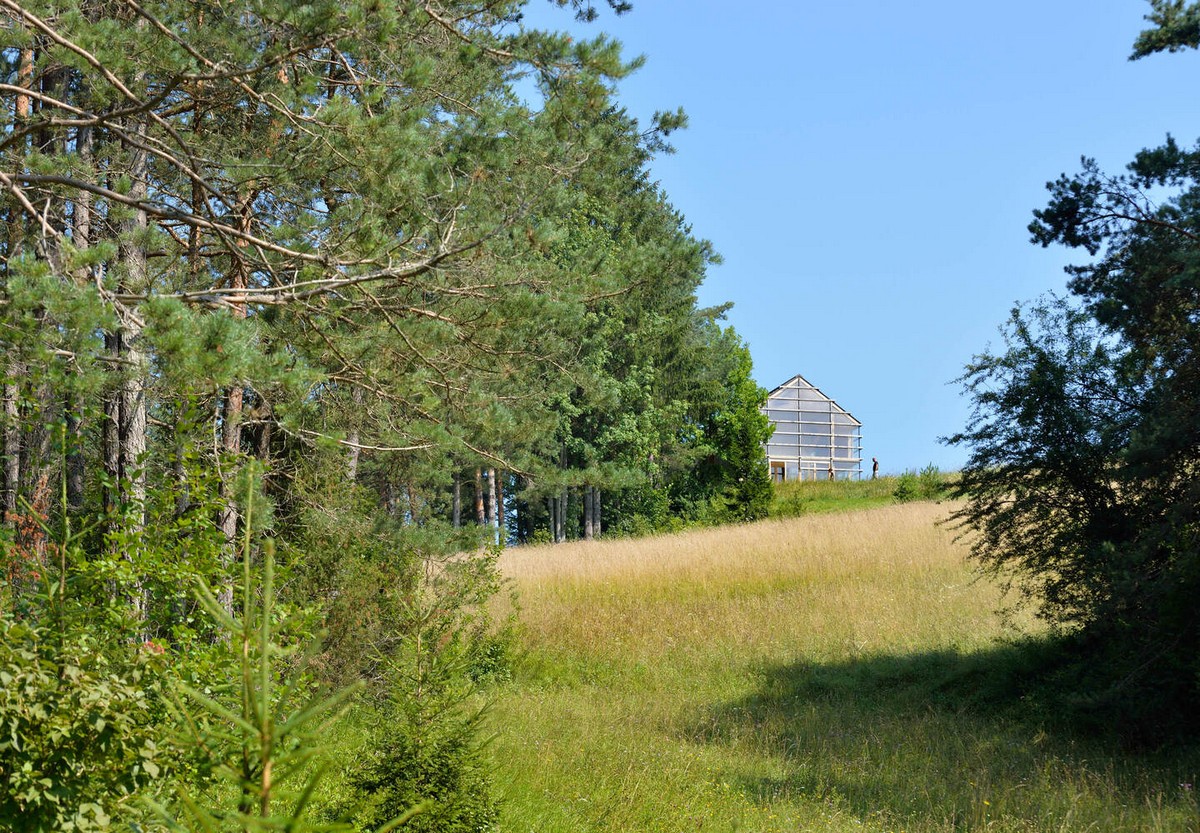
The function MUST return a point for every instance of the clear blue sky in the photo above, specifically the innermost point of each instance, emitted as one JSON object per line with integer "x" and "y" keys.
{"x": 867, "y": 170}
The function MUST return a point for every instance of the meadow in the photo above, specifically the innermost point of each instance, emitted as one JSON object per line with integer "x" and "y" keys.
{"x": 829, "y": 672}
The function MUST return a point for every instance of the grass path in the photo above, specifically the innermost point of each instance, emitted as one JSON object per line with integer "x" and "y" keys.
{"x": 820, "y": 673}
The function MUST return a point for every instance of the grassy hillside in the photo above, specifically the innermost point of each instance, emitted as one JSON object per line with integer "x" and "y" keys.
{"x": 828, "y": 672}
{"x": 802, "y": 497}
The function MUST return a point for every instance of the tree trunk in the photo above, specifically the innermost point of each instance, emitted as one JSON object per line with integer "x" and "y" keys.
{"x": 231, "y": 417}
{"x": 356, "y": 397}
{"x": 231, "y": 442}
{"x": 479, "y": 516}
{"x": 456, "y": 503}
{"x": 73, "y": 454}
{"x": 14, "y": 370}
{"x": 132, "y": 425}
{"x": 12, "y": 444}
{"x": 562, "y": 516}
{"x": 133, "y": 434}
{"x": 500, "y": 506}
{"x": 588, "y": 521}
{"x": 111, "y": 432}
{"x": 24, "y": 102}
{"x": 132, "y": 393}
{"x": 263, "y": 450}
{"x": 596, "y": 525}
{"x": 81, "y": 238}
{"x": 493, "y": 506}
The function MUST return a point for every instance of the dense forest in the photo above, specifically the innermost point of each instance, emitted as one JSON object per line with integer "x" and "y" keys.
{"x": 305, "y": 310}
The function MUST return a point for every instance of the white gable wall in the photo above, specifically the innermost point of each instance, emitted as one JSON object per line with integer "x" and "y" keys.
{"x": 812, "y": 434}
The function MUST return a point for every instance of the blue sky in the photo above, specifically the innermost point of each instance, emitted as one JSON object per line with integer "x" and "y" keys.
{"x": 868, "y": 169}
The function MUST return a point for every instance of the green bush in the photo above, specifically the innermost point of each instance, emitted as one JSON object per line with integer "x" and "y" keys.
{"x": 77, "y": 726}
{"x": 930, "y": 483}
{"x": 908, "y": 487}
{"x": 927, "y": 484}
{"x": 789, "y": 504}
{"x": 426, "y": 764}
{"x": 423, "y": 756}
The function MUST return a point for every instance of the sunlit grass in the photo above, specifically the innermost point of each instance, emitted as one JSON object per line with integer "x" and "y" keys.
{"x": 801, "y": 497}
{"x": 830, "y": 672}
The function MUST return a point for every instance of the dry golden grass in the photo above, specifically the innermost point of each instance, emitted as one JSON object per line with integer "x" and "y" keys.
{"x": 818, "y": 545}
{"x": 838, "y": 584}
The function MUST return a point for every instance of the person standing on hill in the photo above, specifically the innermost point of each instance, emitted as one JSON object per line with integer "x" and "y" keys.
{"x": 874, "y": 468}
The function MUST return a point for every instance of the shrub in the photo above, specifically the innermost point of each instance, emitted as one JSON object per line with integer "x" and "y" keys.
{"x": 930, "y": 483}
{"x": 788, "y": 504}
{"x": 423, "y": 754}
{"x": 908, "y": 487}
{"x": 77, "y": 726}
{"x": 927, "y": 484}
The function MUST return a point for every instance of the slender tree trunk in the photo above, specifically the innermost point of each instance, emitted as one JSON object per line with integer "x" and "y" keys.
{"x": 562, "y": 516}
{"x": 73, "y": 454}
{"x": 479, "y": 516}
{"x": 111, "y": 432}
{"x": 356, "y": 397}
{"x": 18, "y": 472}
{"x": 263, "y": 451}
{"x": 132, "y": 424}
{"x": 456, "y": 503}
{"x": 14, "y": 370}
{"x": 231, "y": 441}
{"x": 503, "y": 529}
{"x": 596, "y": 511}
{"x": 231, "y": 418}
{"x": 587, "y": 513}
{"x": 352, "y": 456}
{"x": 133, "y": 435}
{"x": 81, "y": 238}
{"x": 81, "y": 209}
{"x": 493, "y": 506}
{"x": 12, "y": 444}
{"x": 24, "y": 81}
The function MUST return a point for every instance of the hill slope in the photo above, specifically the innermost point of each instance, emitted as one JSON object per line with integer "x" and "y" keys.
{"x": 819, "y": 673}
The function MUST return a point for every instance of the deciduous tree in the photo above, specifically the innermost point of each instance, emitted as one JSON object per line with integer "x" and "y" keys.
{"x": 1085, "y": 455}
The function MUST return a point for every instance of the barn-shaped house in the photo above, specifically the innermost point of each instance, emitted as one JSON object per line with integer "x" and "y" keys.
{"x": 815, "y": 438}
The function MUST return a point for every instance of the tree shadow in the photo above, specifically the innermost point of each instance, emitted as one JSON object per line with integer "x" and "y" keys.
{"x": 956, "y": 740}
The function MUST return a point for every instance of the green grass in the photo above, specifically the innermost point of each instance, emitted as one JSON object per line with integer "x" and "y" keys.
{"x": 841, "y": 672}
{"x": 801, "y": 497}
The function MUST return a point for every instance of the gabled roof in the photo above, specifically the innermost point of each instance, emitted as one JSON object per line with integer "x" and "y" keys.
{"x": 800, "y": 383}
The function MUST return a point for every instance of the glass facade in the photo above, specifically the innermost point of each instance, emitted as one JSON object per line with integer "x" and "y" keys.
{"x": 814, "y": 436}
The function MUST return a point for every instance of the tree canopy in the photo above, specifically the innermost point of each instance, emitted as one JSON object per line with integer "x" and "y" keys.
{"x": 1085, "y": 452}
{"x": 397, "y": 276}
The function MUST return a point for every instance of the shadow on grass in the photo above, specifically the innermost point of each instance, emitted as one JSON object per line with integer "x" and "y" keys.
{"x": 945, "y": 741}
